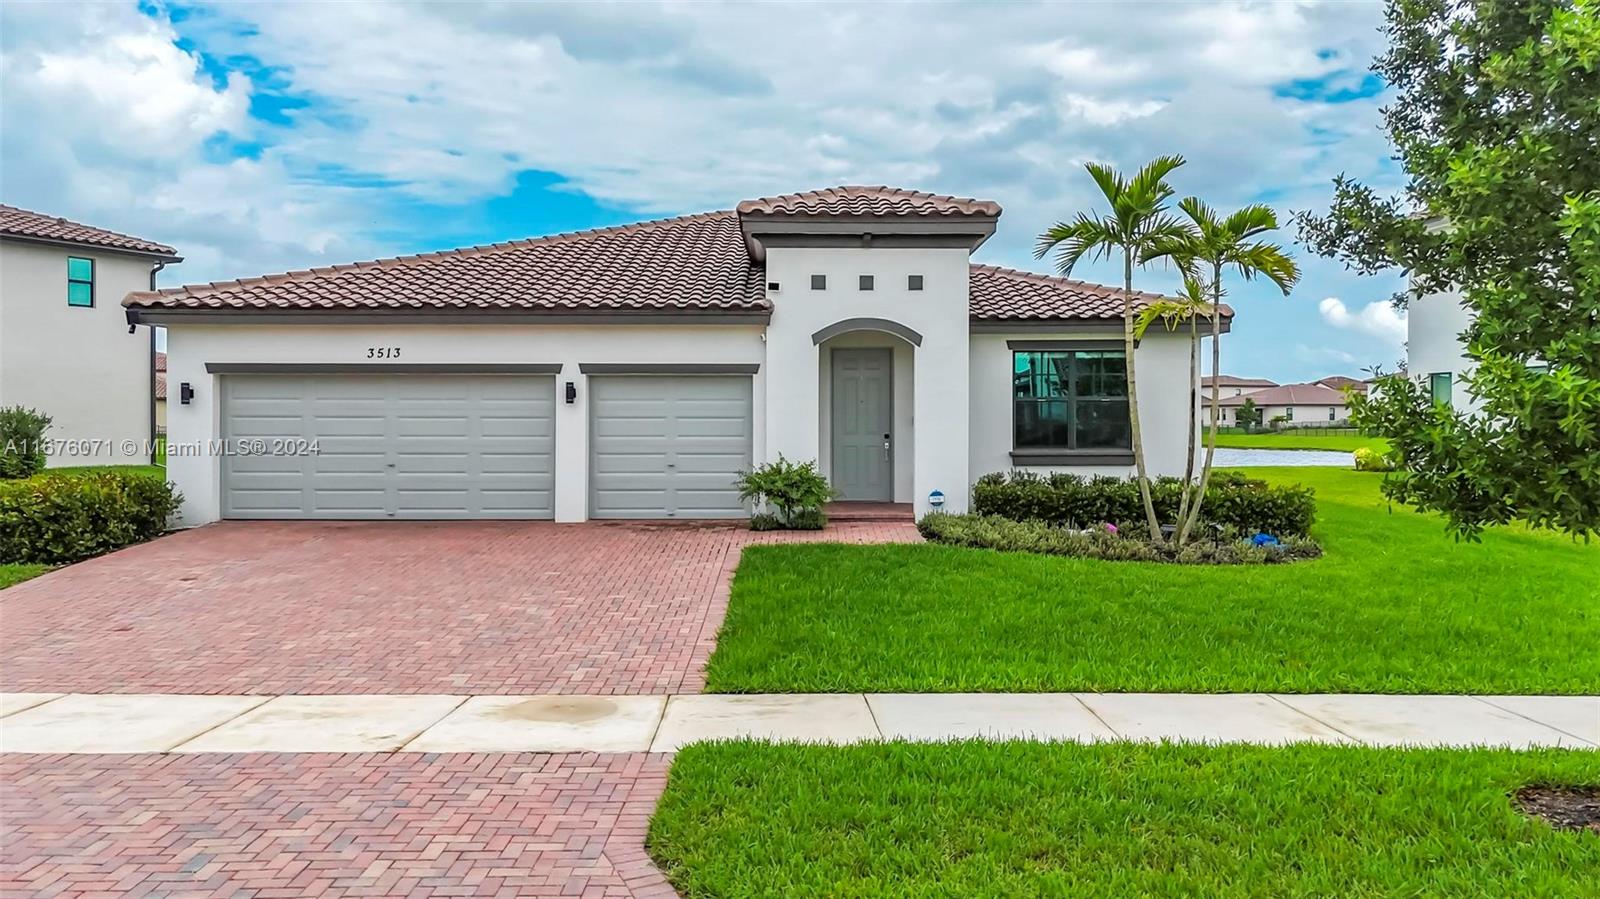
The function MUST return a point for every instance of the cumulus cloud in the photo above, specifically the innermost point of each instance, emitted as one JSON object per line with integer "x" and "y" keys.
{"x": 1377, "y": 319}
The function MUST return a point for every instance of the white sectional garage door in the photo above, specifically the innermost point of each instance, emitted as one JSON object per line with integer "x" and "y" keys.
{"x": 418, "y": 446}
{"x": 667, "y": 446}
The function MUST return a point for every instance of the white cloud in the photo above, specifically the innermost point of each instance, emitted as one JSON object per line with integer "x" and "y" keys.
{"x": 1377, "y": 319}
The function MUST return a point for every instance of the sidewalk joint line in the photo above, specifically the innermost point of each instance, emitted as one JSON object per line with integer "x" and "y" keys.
{"x": 872, "y": 715}
{"x": 193, "y": 737}
{"x": 1485, "y": 700}
{"x": 1299, "y": 711}
{"x": 1078, "y": 697}
{"x": 418, "y": 735}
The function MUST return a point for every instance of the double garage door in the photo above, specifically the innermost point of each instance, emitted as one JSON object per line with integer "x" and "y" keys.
{"x": 422, "y": 446}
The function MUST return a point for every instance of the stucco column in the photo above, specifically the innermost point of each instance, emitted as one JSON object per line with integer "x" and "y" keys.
{"x": 792, "y": 408}
{"x": 940, "y": 422}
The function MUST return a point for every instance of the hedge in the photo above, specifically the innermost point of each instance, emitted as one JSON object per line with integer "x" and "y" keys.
{"x": 1128, "y": 545}
{"x": 1239, "y": 504}
{"x": 55, "y": 518}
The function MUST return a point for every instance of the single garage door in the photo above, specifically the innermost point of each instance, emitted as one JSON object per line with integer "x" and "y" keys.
{"x": 395, "y": 446}
{"x": 667, "y": 446}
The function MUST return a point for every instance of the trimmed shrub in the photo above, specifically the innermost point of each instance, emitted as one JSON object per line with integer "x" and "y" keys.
{"x": 795, "y": 492}
{"x": 1369, "y": 459}
{"x": 56, "y": 518}
{"x": 1238, "y": 504}
{"x": 1124, "y": 545}
{"x": 22, "y": 442}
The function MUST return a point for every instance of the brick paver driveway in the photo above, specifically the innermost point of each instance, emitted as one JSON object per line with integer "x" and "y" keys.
{"x": 387, "y": 607}
{"x": 360, "y": 608}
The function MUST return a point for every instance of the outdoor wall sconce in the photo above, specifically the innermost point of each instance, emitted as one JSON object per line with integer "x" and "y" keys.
{"x": 572, "y": 393}
{"x": 185, "y": 393}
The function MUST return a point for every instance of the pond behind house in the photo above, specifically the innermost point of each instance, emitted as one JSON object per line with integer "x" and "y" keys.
{"x": 1245, "y": 458}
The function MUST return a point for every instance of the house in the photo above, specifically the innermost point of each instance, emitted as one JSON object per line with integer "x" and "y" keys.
{"x": 1302, "y": 404}
{"x": 1340, "y": 382}
{"x": 633, "y": 371}
{"x": 1435, "y": 351}
{"x": 1228, "y": 385}
{"x": 66, "y": 347}
{"x": 161, "y": 392}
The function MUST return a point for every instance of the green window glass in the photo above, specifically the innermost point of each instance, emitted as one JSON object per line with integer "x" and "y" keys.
{"x": 80, "y": 281}
{"x": 1070, "y": 400}
{"x": 1439, "y": 387}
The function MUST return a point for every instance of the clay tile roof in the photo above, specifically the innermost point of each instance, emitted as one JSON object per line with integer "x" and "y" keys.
{"x": 161, "y": 385}
{"x": 22, "y": 223}
{"x": 1235, "y": 381}
{"x": 1290, "y": 395}
{"x": 161, "y": 361}
{"x": 1006, "y": 294}
{"x": 692, "y": 263}
{"x": 863, "y": 200}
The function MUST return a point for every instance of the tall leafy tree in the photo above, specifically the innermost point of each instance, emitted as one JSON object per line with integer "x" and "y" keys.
{"x": 1211, "y": 246}
{"x": 1497, "y": 126}
{"x": 1137, "y": 222}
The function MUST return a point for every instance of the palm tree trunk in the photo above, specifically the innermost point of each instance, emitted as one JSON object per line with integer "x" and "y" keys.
{"x": 1133, "y": 396}
{"x": 1194, "y": 401}
{"x": 1216, "y": 403}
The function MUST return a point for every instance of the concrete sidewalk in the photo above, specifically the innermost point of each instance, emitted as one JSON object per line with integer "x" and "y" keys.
{"x": 135, "y": 723}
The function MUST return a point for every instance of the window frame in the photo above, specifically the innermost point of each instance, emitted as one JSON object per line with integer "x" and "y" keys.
{"x": 914, "y": 282}
{"x": 93, "y": 272}
{"x": 865, "y": 282}
{"x": 819, "y": 282}
{"x": 1449, "y": 387}
{"x": 1069, "y": 455}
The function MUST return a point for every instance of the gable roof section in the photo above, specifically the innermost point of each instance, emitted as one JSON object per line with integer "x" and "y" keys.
{"x": 1290, "y": 395}
{"x": 1235, "y": 381}
{"x": 1009, "y": 295}
{"x": 695, "y": 263}
{"x": 28, "y": 225}
{"x": 863, "y": 200}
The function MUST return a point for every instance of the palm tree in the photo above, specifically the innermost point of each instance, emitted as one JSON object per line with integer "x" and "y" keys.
{"x": 1190, "y": 305}
{"x": 1217, "y": 244}
{"x": 1138, "y": 223}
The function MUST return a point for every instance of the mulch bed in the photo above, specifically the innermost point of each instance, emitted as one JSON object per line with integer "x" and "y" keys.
{"x": 1566, "y": 808}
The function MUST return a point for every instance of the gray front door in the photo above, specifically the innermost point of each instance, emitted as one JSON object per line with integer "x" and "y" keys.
{"x": 863, "y": 424}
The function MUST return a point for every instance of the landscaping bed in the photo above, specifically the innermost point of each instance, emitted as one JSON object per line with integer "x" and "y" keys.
{"x": 1394, "y": 606}
{"x": 1107, "y": 542}
{"x": 1116, "y": 819}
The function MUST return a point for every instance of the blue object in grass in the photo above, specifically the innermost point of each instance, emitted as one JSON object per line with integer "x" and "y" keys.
{"x": 1264, "y": 539}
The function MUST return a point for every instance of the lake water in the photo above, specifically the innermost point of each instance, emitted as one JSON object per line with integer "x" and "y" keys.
{"x": 1235, "y": 458}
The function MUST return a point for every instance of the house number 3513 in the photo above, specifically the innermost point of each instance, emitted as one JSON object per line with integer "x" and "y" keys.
{"x": 383, "y": 352}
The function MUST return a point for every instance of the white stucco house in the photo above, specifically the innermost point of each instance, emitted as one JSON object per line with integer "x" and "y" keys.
{"x": 632, "y": 372}
{"x": 66, "y": 345}
{"x": 1295, "y": 404}
{"x": 1435, "y": 351}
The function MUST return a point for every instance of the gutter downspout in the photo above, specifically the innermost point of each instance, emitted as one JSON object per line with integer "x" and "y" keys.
{"x": 154, "y": 270}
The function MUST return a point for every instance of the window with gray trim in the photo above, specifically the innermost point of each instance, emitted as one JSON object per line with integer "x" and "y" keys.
{"x": 80, "y": 281}
{"x": 819, "y": 282}
{"x": 913, "y": 282}
{"x": 1070, "y": 400}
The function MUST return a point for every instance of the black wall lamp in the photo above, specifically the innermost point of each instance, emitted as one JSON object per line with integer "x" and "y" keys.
{"x": 572, "y": 393}
{"x": 185, "y": 393}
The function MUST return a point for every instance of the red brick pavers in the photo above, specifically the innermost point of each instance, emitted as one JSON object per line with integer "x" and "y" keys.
{"x": 388, "y": 607}
{"x": 329, "y": 825}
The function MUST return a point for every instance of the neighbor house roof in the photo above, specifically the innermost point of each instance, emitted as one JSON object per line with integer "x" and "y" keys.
{"x": 867, "y": 200}
{"x": 27, "y": 225}
{"x": 686, "y": 265}
{"x": 1290, "y": 395}
{"x": 1339, "y": 382}
{"x": 1231, "y": 381}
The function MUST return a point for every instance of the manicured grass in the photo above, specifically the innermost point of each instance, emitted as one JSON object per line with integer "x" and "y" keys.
{"x": 1301, "y": 440}
{"x": 1395, "y": 606}
{"x": 154, "y": 471}
{"x": 16, "y": 573}
{"x": 1115, "y": 819}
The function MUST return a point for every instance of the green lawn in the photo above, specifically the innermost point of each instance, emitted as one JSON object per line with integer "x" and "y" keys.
{"x": 154, "y": 471}
{"x": 1301, "y": 440}
{"x": 1395, "y": 606}
{"x": 16, "y": 573}
{"x": 1115, "y": 819}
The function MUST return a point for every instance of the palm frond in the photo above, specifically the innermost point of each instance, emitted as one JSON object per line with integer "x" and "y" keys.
{"x": 1085, "y": 236}
{"x": 1108, "y": 180}
{"x": 1251, "y": 221}
{"x": 1269, "y": 261}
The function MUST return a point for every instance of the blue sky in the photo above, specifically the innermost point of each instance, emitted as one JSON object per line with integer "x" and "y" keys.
{"x": 269, "y": 137}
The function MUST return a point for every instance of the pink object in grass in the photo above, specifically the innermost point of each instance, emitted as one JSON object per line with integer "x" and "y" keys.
{"x": 1110, "y": 528}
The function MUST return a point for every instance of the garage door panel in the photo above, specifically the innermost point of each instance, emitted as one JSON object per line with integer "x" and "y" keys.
{"x": 393, "y": 446}
{"x": 668, "y": 446}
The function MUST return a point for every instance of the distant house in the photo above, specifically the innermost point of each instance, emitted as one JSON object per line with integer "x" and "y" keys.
{"x": 1232, "y": 386}
{"x": 1340, "y": 382}
{"x": 161, "y": 393}
{"x": 1296, "y": 403}
{"x": 66, "y": 346}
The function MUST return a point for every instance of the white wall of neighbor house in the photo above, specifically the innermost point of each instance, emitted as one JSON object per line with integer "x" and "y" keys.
{"x": 76, "y": 364}
{"x": 1434, "y": 323}
{"x": 904, "y": 402}
{"x": 191, "y": 347}
{"x": 1162, "y": 364}
{"x": 938, "y": 312}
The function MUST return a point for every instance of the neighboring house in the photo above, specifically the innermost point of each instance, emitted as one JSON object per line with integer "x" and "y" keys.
{"x": 1340, "y": 382}
{"x": 632, "y": 372}
{"x": 161, "y": 393}
{"x": 1228, "y": 385}
{"x": 1302, "y": 404}
{"x": 1435, "y": 353}
{"x": 66, "y": 347}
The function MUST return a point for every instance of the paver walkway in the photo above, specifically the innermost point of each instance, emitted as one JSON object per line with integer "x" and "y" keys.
{"x": 45, "y": 723}
{"x": 389, "y": 607}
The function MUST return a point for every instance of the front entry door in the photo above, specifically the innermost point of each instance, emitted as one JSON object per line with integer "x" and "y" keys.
{"x": 863, "y": 424}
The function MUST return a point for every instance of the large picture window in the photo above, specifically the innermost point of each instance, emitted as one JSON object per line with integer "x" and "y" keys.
{"x": 1070, "y": 400}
